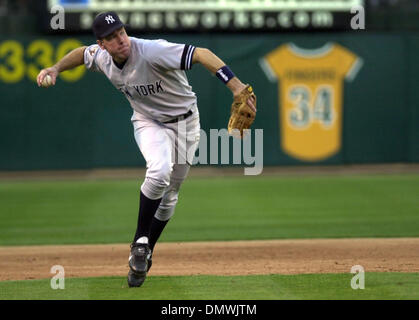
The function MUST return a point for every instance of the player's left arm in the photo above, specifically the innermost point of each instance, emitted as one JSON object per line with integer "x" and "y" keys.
{"x": 213, "y": 63}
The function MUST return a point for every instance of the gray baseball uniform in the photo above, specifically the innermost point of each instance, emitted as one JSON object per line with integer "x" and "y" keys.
{"x": 154, "y": 82}
{"x": 153, "y": 78}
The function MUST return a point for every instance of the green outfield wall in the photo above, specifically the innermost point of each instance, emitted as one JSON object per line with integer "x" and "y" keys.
{"x": 83, "y": 122}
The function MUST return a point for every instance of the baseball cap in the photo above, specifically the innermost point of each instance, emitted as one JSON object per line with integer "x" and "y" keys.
{"x": 105, "y": 23}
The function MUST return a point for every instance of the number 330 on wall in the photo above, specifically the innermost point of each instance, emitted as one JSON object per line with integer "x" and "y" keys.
{"x": 16, "y": 63}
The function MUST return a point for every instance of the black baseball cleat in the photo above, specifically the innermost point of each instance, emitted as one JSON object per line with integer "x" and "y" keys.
{"x": 139, "y": 264}
{"x": 135, "y": 280}
{"x": 150, "y": 262}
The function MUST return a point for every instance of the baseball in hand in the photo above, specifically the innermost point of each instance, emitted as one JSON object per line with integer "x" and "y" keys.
{"x": 47, "y": 81}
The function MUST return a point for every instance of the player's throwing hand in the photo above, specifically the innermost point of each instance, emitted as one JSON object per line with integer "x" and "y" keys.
{"x": 42, "y": 80}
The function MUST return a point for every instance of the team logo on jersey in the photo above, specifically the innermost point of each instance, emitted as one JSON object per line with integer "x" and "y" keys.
{"x": 311, "y": 97}
{"x": 92, "y": 51}
{"x": 109, "y": 19}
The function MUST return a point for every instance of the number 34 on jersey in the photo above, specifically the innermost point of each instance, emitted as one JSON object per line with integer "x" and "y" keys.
{"x": 310, "y": 91}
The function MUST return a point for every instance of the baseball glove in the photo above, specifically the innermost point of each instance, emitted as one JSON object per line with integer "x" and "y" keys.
{"x": 242, "y": 116}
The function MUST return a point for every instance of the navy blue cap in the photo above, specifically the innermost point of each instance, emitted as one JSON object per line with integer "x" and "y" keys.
{"x": 105, "y": 23}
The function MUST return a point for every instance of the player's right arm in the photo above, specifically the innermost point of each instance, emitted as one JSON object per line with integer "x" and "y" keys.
{"x": 71, "y": 60}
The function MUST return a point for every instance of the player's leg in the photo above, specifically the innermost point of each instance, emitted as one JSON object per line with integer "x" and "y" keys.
{"x": 189, "y": 132}
{"x": 155, "y": 145}
{"x": 168, "y": 204}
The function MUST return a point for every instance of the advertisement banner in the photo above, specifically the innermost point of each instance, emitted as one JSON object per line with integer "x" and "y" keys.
{"x": 208, "y": 15}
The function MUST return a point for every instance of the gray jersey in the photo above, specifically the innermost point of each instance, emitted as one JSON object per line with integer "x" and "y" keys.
{"x": 153, "y": 78}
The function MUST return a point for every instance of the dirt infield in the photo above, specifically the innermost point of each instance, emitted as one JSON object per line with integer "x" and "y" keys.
{"x": 217, "y": 258}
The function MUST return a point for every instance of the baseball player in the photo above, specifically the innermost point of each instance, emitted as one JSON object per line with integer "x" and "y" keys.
{"x": 151, "y": 75}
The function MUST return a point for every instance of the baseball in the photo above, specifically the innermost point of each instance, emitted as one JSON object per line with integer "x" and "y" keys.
{"x": 47, "y": 81}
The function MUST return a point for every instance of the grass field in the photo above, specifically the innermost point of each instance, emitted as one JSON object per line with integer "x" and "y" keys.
{"x": 241, "y": 208}
{"x": 73, "y": 212}
{"x": 267, "y": 287}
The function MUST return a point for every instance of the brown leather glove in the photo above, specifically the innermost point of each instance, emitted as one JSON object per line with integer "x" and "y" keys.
{"x": 242, "y": 116}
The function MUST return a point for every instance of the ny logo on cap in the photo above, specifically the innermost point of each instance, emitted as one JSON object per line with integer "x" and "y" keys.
{"x": 109, "y": 19}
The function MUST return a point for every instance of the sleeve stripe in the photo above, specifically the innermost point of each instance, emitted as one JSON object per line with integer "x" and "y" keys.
{"x": 270, "y": 74}
{"x": 189, "y": 57}
{"x": 183, "y": 59}
{"x": 357, "y": 65}
{"x": 186, "y": 60}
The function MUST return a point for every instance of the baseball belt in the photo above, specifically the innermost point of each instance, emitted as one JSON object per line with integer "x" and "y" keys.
{"x": 180, "y": 118}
